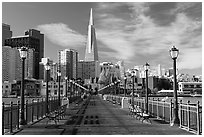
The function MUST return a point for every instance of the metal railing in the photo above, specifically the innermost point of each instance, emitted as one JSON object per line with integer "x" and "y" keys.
{"x": 190, "y": 115}
{"x": 34, "y": 111}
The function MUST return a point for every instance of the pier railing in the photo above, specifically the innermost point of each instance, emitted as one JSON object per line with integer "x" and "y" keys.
{"x": 34, "y": 111}
{"x": 190, "y": 115}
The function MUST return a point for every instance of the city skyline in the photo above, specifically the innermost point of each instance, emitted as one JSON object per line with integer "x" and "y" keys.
{"x": 124, "y": 31}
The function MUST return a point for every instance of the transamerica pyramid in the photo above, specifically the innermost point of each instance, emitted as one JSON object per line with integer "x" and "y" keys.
{"x": 91, "y": 53}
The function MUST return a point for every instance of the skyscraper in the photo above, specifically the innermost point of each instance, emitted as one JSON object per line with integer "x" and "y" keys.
{"x": 91, "y": 53}
{"x": 11, "y": 64}
{"x": 33, "y": 39}
{"x": 68, "y": 61}
{"x": 6, "y": 32}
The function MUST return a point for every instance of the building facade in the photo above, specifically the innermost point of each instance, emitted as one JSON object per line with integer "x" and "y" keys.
{"x": 11, "y": 64}
{"x": 31, "y": 41}
{"x": 68, "y": 63}
{"x": 88, "y": 70}
{"x": 6, "y": 32}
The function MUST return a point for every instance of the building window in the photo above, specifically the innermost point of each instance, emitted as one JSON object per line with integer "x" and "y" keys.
{"x": 185, "y": 86}
{"x": 55, "y": 92}
{"x": 61, "y": 91}
{"x": 198, "y": 86}
{"x": 6, "y": 86}
{"x": 192, "y": 86}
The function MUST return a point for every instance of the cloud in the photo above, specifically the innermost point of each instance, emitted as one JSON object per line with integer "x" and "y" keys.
{"x": 62, "y": 35}
{"x": 140, "y": 37}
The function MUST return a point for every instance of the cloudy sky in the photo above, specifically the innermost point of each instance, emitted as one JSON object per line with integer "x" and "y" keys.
{"x": 134, "y": 32}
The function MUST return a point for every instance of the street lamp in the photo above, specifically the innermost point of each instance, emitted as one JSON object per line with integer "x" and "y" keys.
{"x": 65, "y": 85}
{"x": 59, "y": 75}
{"x": 174, "y": 54}
{"x": 125, "y": 80}
{"x": 146, "y": 67}
{"x": 118, "y": 86}
{"x": 23, "y": 55}
{"x": 47, "y": 68}
{"x": 133, "y": 82}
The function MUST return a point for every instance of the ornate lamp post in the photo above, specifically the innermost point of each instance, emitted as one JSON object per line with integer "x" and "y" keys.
{"x": 23, "y": 55}
{"x": 146, "y": 67}
{"x": 174, "y": 54}
{"x": 66, "y": 85}
{"x": 118, "y": 86}
{"x": 125, "y": 80}
{"x": 47, "y": 68}
{"x": 59, "y": 76}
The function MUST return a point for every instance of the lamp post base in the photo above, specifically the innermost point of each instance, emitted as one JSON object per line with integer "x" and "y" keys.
{"x": 22, "y": 122}
{"x": 175, "y": 121}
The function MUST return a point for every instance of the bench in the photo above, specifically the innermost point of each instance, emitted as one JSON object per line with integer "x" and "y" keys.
{"x": 57, "y": 115}
{"x": 138, "y": 113}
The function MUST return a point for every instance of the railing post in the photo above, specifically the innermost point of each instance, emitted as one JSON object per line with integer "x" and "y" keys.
{"x": 181, "y": 114}
{"x": 3, "y": 118}
{"x": 32, "y": 110}
{"x": 170, "y": 120}
{"x": 42, "y": 106}
{"x": 37, "y": 109}
{"x": 164, "y": 110}
{"x": 11, "y": 117}
{"x": 188, "y": 115}
{"x": 26, "y": 112}
{"x": 153, "y": 106}
{"x": 198, "y": 119}
{"x": 18, "y": 114}
{"x": 158, "y": 108}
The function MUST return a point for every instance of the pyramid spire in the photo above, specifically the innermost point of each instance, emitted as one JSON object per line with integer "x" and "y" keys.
{"x": 91, "y": 53}
{"x": 91, "y": 22}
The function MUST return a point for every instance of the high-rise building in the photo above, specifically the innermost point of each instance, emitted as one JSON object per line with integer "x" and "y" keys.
{"x": 6, "y": 32}
{"x": 91, "y": 53}
{"x": 68, "y": 62}
{"x": 33, "y": 39}
{"x": 88, "y": 70}
{"x": 159, "y": 71}
{"x": 11, "y": 64}
{"x": 36, "y": 34}
{"x": 121, "y": 68}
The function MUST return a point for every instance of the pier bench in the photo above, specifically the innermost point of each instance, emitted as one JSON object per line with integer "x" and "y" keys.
{"x": 138, "y": 113}
{"x": 57, "y": 115}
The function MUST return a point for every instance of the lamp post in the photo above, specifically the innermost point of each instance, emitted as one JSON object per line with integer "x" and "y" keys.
{"x": 174, "y": 54}
{"x": 23, "y": 54}
{"x": 118, "y": 86}
{"x": 66, "y": 85}
{"x": 47, "y": 68}
{"x": 59, "y": 76}
{"x": 133, "y": 82}
{"x": 125, "y": 80}
{"x": 146, "y": 67}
